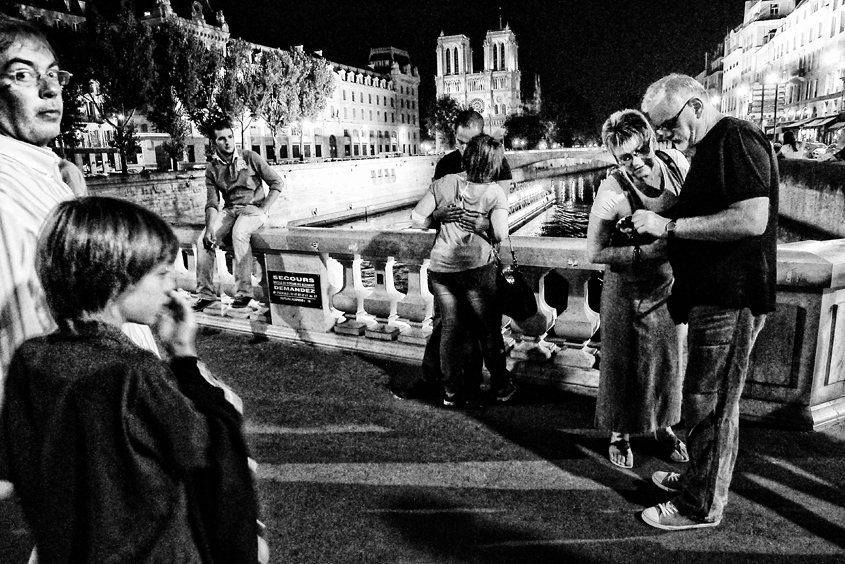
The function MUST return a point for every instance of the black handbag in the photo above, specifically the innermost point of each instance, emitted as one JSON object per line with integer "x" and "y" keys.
{"x": 515, "y": 296}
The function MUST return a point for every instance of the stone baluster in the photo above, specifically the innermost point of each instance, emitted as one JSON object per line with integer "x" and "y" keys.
{"x": 382, "y": 301}
{"x": 417, "y": 307}
{"x": 530, "y": 333}
{"x": 350, "y": 299}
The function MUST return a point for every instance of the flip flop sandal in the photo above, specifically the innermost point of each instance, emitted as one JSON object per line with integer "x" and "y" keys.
{"x": 624, "y": 448}
{"x": 679, "y": 451}
{"x": 676, "y": 450}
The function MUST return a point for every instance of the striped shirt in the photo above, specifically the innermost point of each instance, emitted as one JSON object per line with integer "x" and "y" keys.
{"x": 30, "y": 187}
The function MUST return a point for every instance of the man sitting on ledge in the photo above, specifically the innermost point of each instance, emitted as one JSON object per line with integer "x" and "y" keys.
{"x": 238, "y": 177}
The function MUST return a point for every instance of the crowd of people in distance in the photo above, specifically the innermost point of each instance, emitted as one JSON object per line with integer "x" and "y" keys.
{"x": 143, "y": 429}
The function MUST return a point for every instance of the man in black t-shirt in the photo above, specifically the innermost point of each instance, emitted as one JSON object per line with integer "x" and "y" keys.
{"x": 468, "y": 124}
{"x": 723, "y": 250}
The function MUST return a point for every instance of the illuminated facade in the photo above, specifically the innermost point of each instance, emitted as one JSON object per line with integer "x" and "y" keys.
{"x": 372, "y": 111}
{"x": 785, "y": 66}
{"x": 494, "y": 92}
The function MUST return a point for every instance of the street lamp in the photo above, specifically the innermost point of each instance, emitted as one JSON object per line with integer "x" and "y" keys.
{"x": 773, "y": 78}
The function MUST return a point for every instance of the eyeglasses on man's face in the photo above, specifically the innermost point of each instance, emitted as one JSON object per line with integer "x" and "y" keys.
{"x": 28, "y": 77}
{"x": 669, "y": 125}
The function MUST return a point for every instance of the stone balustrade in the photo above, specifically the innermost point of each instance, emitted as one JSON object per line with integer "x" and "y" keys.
{"x": 313, "y": 280}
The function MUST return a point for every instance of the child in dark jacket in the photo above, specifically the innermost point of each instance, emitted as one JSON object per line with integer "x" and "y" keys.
{"x": 117, "y": 456}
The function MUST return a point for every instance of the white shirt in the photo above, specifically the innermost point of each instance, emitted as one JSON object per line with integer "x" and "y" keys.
{"x": 30, "y": 187}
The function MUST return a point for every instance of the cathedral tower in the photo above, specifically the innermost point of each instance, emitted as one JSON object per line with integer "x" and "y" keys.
{"x": 494, "y": 91}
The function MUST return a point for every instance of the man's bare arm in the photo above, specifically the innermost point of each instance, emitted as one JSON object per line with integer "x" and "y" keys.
{"x": 746, "y": 218}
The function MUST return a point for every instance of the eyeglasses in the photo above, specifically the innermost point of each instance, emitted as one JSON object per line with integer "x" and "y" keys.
{"x": 28, "y": 77}
{"x": 670, "y": 124}
{"x": 643, "y": 150}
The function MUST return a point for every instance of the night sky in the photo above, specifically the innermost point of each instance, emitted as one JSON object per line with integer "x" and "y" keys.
{"x": 609, "y": 51}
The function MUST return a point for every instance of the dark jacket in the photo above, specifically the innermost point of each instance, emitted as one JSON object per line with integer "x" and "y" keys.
{"x": 111, "y": 461}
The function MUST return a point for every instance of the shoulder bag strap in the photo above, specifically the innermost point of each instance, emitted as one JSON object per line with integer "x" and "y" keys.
{"x": 671, "y": 165}
{"x": 627, "y": 187}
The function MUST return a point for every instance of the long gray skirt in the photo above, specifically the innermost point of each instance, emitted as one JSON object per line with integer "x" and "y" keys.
{"x": 640, "y": 382}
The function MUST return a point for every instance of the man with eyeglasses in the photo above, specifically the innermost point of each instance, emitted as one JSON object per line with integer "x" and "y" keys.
{"x": 723, "y": 251}
{"x": 33, "y": 180}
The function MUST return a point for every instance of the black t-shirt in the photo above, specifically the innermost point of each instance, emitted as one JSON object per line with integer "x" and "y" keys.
{"x": 451, "y": 164}
{"x": 733, "y": 162}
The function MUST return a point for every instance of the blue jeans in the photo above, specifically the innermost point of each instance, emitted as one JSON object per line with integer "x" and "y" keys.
{"x": 720, "y": 343}
{"x": 468, "y": 304}
{"x": 241, "y": 222}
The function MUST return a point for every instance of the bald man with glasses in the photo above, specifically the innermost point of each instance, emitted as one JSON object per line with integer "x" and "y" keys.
{"x": 723, "y": 251}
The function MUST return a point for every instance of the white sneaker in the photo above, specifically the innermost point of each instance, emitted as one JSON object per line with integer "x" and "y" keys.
{"x": 666, "y": 516}
{"x": 667, "y": 481}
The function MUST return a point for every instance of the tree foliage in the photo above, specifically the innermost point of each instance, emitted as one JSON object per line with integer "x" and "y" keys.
{"x": 120, "y": 61}
{"x": 524, "y": 131}
{"x": 282, "y": 108}
{"x": 316, "y": 83}
{"x": 186, "y": 71}
{"x": 571, "y": 119}
{"x": 244, "y": 79}
{"x": 440, "y": 120}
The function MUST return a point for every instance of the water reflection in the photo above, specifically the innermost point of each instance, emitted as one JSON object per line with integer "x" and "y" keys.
{"x": 569, "y": 212}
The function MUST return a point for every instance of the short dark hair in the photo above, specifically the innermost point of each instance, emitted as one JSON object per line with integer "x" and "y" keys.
{"x": 469, "y": 119}
{"x": 13, "y": 29}
{"x": 220, "y": 125}
{"x": 92, "y": 249}
{"x": 482, "y": 159}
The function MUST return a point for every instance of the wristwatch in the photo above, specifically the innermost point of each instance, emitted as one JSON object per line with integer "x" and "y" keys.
{"x": 670, "y": 229}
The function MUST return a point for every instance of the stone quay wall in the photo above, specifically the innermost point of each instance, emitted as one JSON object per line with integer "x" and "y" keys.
{"x": 812, "y": 194}
{"x": 311, "y": 188}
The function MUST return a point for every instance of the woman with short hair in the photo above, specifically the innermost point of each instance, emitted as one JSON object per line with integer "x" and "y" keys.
{"x": 640, "y": 379}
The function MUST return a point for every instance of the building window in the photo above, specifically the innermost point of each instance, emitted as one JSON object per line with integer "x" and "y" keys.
{"x": 774, "y": 9}
{"x": 354, "y": 113}
{"x": 448, "y": 62}
{"x": 369, "y": 98}
{"x": 353, "y": 95}
{"x": 495, "y": 57}
{"x": 344, "y": 113}
{"x": 457, "y": 70}
{"x": 502, "y": 55}
{"x": 344, "y": 94}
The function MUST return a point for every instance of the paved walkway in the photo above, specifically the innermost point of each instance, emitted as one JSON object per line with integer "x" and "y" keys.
{"x": 350, "y": 474}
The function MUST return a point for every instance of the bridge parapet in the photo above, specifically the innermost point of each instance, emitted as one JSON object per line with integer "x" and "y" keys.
{"x": 315, "y": 285}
